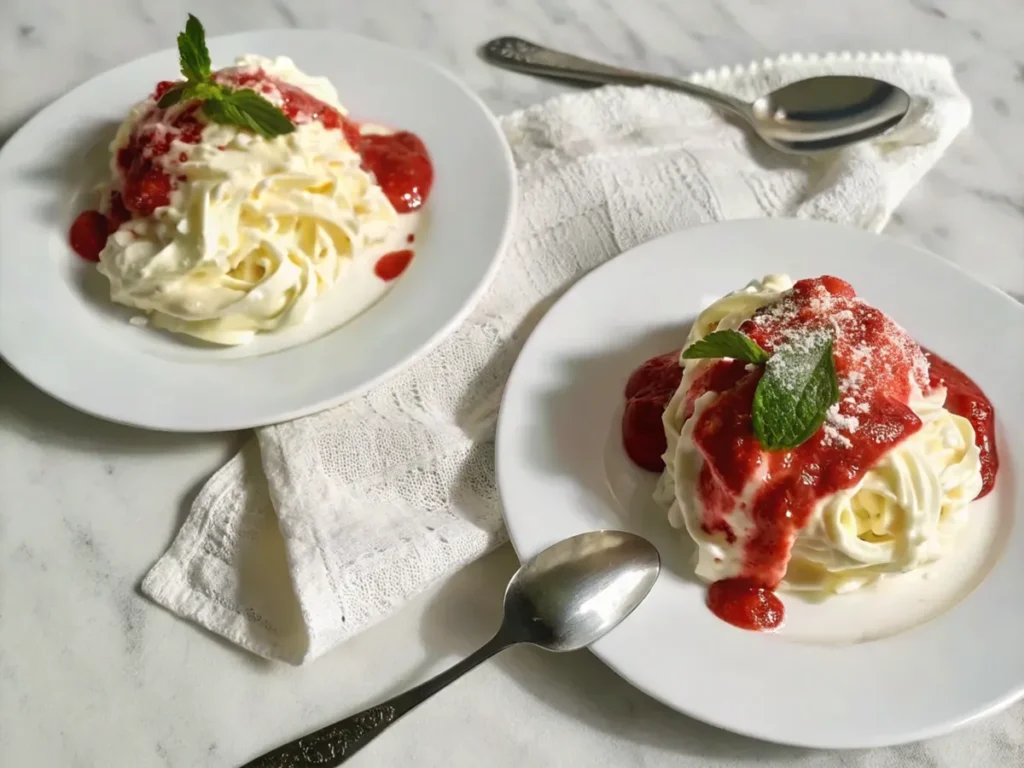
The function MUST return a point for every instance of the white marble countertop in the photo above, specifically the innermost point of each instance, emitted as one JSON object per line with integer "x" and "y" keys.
{"x": 91, "y": 673}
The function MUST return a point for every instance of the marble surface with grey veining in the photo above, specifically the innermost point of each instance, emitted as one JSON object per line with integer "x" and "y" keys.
{"x": 92, "y": 674}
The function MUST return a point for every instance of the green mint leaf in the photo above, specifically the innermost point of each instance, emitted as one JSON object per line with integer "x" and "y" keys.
{"x": 172, "y": 97}
{"x": 224, "y": 113}
{"x": 726, "y": 344}
{"x": 798, "y": 387}
{"x": 192, "y": 51}
{"x": 206, "y": 91}
{"x": 246, "y": 108}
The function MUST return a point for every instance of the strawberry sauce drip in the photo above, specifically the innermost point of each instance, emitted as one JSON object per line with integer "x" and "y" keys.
{"x": 744, "y": 603}
{"x": 965, "y": 398}
{"x": 391, "y": 265}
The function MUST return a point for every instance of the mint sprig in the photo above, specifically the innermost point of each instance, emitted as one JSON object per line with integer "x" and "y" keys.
{"x": 726, "y": 344}
{"x": 798, "y": 386}
{"x": 228, "y": 106}
{"x": 192, "y": 51}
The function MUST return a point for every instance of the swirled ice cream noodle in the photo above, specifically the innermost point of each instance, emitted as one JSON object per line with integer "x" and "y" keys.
{"x": 726, "y": 314}
{"x": 256, "y": 229}
{"x": 905, "y": 512}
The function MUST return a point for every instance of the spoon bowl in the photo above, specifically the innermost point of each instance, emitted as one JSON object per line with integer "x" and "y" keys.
{"x": 827, "y": 112}
{"x": 809, "y": 116}
{"x": 574, "y": 592}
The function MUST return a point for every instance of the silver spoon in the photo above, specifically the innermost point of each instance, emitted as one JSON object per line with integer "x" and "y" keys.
{"x": 812, "y": 115}
{"x": 563, "y": 599}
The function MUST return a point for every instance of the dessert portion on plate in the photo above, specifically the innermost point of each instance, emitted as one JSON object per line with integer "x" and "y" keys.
{"x": 807, "y": 443}
{"x": 238, "y": 197}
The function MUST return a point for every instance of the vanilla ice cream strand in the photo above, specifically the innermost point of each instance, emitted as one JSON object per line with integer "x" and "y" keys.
{"x": 728, "y": 313}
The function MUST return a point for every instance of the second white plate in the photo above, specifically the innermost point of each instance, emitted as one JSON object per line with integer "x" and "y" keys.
{"x": 916, "y": 658}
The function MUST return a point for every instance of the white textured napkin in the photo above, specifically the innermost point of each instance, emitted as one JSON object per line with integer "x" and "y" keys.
{"x": 322, "y": 526}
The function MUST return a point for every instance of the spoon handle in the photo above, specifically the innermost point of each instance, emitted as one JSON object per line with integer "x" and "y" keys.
{"x": 334, "y": 744}
{"x": 523, "y": 56}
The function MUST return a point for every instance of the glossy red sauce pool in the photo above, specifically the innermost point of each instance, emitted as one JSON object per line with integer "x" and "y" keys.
{"x": 875, "y": 362}
{"x": 647, "y": 393}
{"x": 392, "y": 265}
{"x": 744, "y": 603}
{"x": 402, "y": 167}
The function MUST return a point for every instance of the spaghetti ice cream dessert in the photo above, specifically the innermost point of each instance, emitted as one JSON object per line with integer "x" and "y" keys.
{"x": 239, "y": 197}
{"x": 809, "y": 443}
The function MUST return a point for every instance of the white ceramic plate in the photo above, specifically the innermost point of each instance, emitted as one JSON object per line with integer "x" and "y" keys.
{"x": 59, "y": 329}
{"x": 920, "y": 654}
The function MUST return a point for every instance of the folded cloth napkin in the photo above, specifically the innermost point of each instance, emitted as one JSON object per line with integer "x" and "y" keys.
{"x": 322, "y": 526}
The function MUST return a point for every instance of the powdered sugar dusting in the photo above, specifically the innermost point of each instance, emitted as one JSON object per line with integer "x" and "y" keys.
{"x": 873, "y": 355}
{"x": 861, "y": 355}
{"x": 884, "y": 432}
{"x": 851, "y": 384}
{"x": 839, "y": 421}
{"x": 833, "y": 438}
{"x": 790, "y": 368}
